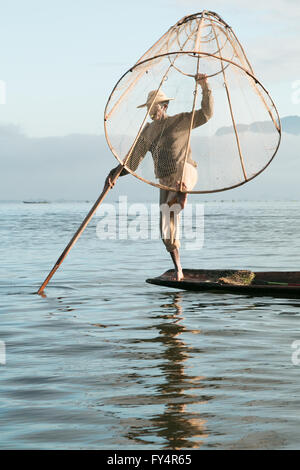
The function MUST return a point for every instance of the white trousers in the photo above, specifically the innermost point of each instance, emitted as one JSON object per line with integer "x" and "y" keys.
{"x": 170, "y": 215}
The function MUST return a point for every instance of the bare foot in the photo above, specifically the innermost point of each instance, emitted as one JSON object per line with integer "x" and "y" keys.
{"x": 177, "y": 275}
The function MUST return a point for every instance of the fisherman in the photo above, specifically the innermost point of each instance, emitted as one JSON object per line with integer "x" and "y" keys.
{"x": 167, "y": 138}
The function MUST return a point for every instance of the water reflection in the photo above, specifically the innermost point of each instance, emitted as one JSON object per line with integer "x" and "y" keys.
{"x": 178, "y": 393}
{"x": 104, "y": 361}
{"x": 177, "y": 426}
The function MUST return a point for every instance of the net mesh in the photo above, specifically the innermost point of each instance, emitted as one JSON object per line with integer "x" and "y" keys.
{"x": 216, "y": 133}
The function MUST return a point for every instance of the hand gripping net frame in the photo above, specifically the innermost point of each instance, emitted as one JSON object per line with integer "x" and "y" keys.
{"x": 212, "y": 139}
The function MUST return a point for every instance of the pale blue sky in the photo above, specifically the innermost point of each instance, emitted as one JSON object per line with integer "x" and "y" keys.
{"x": 61, "y": 58}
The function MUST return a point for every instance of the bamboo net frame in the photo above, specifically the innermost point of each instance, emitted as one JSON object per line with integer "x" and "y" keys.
{"x": 208, "y": 42}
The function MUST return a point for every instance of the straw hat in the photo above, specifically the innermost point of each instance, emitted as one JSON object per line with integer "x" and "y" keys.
{"x": 159, "y": 98}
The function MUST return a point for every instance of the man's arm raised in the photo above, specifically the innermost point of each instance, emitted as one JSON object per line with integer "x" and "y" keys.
{"x": 203, "y": 114}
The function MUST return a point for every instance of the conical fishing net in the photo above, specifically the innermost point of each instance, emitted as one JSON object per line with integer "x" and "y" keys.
{"x": 218, "y": 132}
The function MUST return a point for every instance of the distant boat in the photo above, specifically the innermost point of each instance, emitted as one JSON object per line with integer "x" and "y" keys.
{"x": 36, "y": 202}
{"x": 274, "y": 283}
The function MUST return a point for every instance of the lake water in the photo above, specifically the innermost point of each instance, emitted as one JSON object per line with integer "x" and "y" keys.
{"x": 106, "y": 361}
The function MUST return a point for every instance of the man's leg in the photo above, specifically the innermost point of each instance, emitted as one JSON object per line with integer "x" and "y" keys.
{"x": 169, "y": 227}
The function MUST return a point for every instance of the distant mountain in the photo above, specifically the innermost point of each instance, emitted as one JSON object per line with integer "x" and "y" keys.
{"x": 290, "y": 125}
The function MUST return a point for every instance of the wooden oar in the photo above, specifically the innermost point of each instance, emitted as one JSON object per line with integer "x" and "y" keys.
{"x": 81, "y": 229}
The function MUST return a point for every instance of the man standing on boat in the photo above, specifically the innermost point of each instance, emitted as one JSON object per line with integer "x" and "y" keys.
{"x": 167, "y": 140}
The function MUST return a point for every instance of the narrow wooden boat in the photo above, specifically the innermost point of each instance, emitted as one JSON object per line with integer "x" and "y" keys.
{"x": 275, "y": 283}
